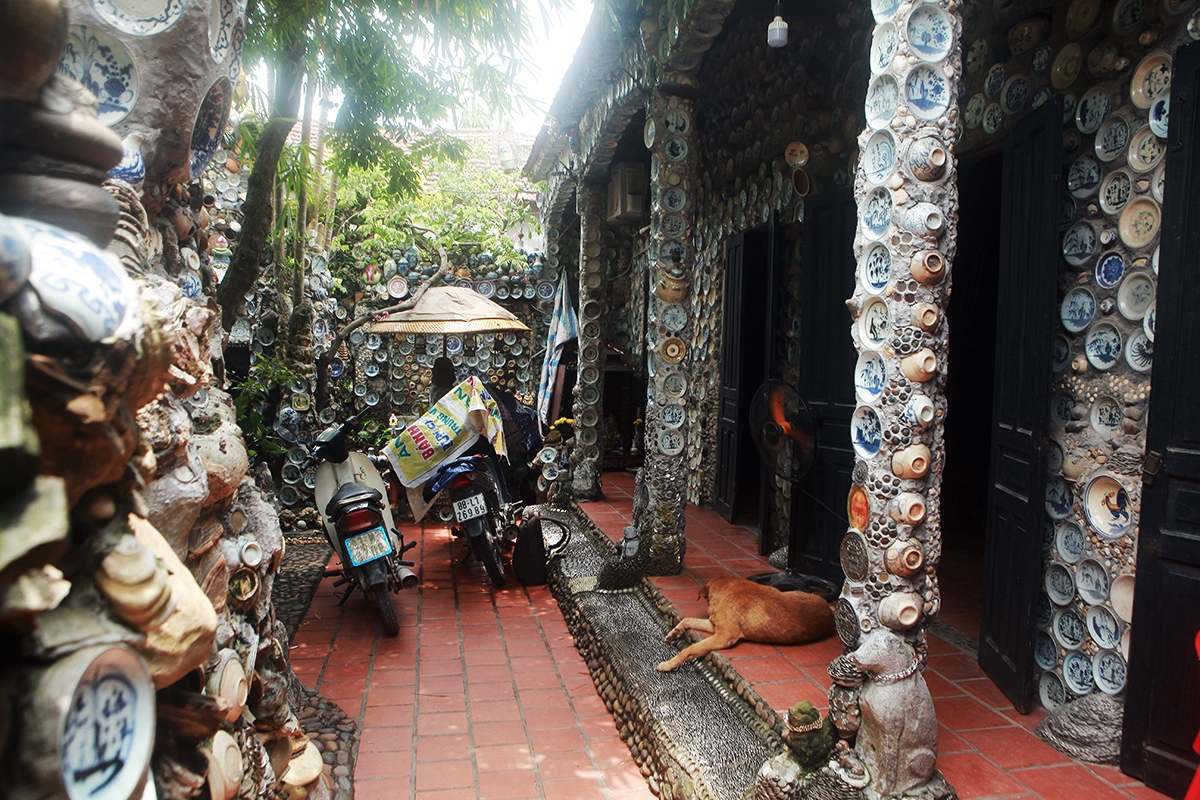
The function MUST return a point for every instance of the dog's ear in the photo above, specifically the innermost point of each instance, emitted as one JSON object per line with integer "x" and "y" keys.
{"x": 703, "y": 593}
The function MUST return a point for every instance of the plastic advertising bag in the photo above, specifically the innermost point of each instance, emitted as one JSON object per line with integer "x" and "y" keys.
{"x": 441, "y": 434}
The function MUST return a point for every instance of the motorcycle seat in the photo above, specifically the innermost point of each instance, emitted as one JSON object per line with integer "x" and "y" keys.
{"x": 351, "y": 493}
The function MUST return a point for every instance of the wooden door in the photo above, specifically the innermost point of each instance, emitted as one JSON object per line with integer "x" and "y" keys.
{"x": 1162, "y": 709}
{"x": 729, "y": 412}
{"x": 1025, "y": 321}
{"x": 826, "y": 381}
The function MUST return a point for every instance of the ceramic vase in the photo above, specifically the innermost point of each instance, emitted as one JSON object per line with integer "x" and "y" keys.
{"x": 900, "y": 610}
{"x": 907, "y": 508}
{"x": 919, "y": 366}
{"x": 912, "y": 462}
{"x": 927, "y": 158}
{"x": 919, "y": 412}
{"x": 904, "y": 557}
{"x": 928, "y": 266}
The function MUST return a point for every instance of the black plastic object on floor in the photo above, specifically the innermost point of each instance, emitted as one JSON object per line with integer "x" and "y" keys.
{"x": 788, "y": 581}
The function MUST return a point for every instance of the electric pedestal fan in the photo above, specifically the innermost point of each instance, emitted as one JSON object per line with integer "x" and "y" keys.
{"x": 785, "y": 434}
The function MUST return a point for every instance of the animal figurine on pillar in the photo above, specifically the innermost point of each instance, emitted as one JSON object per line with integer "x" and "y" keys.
{"x": 741, "y": 609}
{"x": 898, "y": 737}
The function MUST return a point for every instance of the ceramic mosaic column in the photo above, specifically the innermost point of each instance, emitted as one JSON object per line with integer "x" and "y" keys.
{"x": 587, "y": 455}
{"x": 908, "y": 202}
{"x": 668, "y": 134}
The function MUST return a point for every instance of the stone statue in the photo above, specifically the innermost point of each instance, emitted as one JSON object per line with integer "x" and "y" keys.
{"x": 897, "y": 740}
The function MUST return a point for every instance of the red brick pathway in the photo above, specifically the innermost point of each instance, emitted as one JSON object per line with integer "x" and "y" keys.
{"x": 484, "y": 696}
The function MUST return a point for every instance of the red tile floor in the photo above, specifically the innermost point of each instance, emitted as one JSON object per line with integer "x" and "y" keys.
{"x": 483, "y": 694}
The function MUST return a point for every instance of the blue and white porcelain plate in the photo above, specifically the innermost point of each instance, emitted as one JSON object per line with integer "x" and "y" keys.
{"x": 877, "y": 215}
{"x": 1103, "y": 346}
{"x": 140, "y": 17}
{"x": 1092, "y": 110}
{"x": 929, "y": 32}
{"x": 1061, "y": 356}
{"x": 976, "y": 55}
{"x": 1149, "y": 320}
{"x": 1079, "y": 244}
{"x": 1040, "y": 96}
{"x": 879, "y": 157}
{"x": 883, "y": 98}
{"x": 884, "y": 10}
{"x": 1146, "y": 150}
{"x": 1112, "y": 138}
{"x": 1083, "y": 178}
{"x": 210, "y": 125}
{"x": 1041, "y": 58}
{"x": 1127, "y": 15}
{"x": 222, "y": 14}
{"x": 1078, "y": 309}
{"x": 866, "y": 432}
{"x": 103, "y": 66}
{"x": 1069, "y": 542}
{"x": 1045, "y": 652}
{"x": 973, "y": 113}
{"x": 1091, "y": 581}
{"x": 1135, "y": 296}
{"x": 1103, "y": 626}
{"x": 875, "y": 271}
{"x": 873, "y": 323}
{"x": 1139, "y": 353}
{"x": 1110, "y": 268}
{"x": 870, "y": 376}
{"x": 76, "y": 280}
{"x": 1115, "y": 191}
{"x": 993, "y": 84}
{"x": 336, "y": 367}
{"x": 545, "y": 290}
{"x": 1077, "y": 672}
{"x": 1107, "y": 506}
{"x": 1058, "y": 498}
{"x": 1160, "y": 112}
{"x": 883, "y": 47}
{"x": 1014, "y": 94}
{"x": 993, "y": 116}
{"x": 1060, "y": 586}
{"x": 1066, "y": 213}
{"x": 926, "y": 91}
{"x": 486, "y": 288}
{"x": 1109, "y": 671}
{"x": 1068, "y": 629}
{"x": 1106, "y": 416}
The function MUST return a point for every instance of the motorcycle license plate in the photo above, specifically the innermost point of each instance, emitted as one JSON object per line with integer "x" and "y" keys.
{"x": 469, "y": 508}
{"x": 368, "y": 546}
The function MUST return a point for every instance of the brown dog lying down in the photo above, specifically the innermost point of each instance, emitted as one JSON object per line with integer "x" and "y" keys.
{"x": 740, "y": 609}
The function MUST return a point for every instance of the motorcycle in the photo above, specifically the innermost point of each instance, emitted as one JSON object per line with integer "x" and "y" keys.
{"x": 357, "y": 520}
{"x": 452, "y": 448}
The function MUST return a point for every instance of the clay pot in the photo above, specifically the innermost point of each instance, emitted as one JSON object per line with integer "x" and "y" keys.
{"x": 907, "y": 508}
{"x": 925, "y": 316}
{"x": 919, "y": 412}
{"x": 925, "y": 219}
{"x": 927, "y": 158}
{"x": 904, "y": 557}
{"x": 920, "y": 366}
{"x": 928, "y": 266}
{"x": 900, "y": 610}
{"x": 912, "y": 462}
{"x": 671, "y": 290}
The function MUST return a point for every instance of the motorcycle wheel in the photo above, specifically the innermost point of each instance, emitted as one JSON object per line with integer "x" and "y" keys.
{"x": 386, "y": 606}
{"x": 487, "y": 550}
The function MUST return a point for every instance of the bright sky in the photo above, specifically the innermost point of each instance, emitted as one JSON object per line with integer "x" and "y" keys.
{"x": 556, "y": 39}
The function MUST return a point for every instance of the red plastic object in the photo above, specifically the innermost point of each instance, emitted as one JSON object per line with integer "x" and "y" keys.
{"x": 1193, "y": 792}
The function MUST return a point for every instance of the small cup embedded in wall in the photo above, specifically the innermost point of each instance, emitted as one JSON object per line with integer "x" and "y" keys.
{"x": 911, "y": 462}
{"x": 904, "y": 557}
{"x": 907, "y": 508}
{"x": 925, "y": 219}
{"x": 919, "y": 412}
{"x": 927, "y": 159}
{"x": 801, "y": 182}
{"x": 925, "y": 316}
{"x": 919, "y": 366}
{"x": 900, "y": 610}
{"x": 928, "y": 266}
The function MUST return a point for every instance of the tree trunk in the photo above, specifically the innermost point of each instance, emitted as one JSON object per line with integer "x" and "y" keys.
{"x": 257, "y": 209}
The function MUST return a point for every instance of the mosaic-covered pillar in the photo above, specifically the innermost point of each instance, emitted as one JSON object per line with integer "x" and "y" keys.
{"x": 589, "y": 389}
{"x": 908, "y": 204}
{"x": 668, "y": 133}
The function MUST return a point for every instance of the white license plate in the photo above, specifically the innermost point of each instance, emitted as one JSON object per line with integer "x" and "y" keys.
{"x": 469, "y": 508}
{"x": 368, "y": 546}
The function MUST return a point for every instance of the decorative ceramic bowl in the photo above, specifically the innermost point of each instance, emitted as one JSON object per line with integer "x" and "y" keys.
{"x": 1077, "y": 672}
{"x": 1060, "y": 586}
{"x": 1109, "y": 671}
{"x": 104, "y": 67}
{"x": 1107, "y": 506}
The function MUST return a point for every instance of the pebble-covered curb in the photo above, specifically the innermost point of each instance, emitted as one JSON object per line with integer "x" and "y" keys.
{"x": 321, "y": 719}
{"x": 660, "y": 749}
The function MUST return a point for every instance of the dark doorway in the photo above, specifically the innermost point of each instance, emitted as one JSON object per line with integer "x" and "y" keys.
{"x": 969, "y": 391}
{"x": 749, "y": 281}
